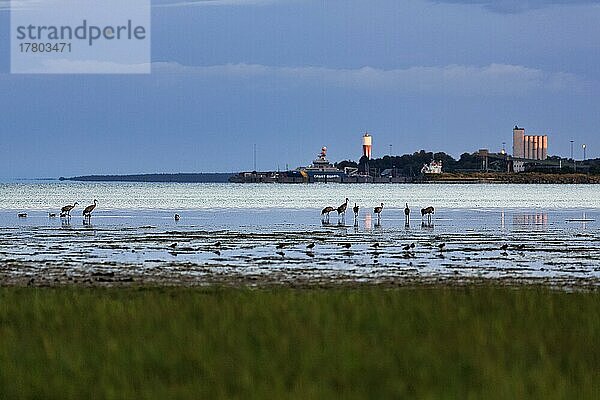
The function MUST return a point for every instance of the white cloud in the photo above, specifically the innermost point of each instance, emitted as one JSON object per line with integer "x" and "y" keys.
{"x": 19, "y": 4}
{"x": 493, "y": 79}
{"x": 64, "y": 66}
{"x": 516, "y": 6}
{"x": 195, "y": 3}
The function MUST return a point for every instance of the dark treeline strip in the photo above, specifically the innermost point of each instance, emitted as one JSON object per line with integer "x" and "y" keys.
{"x": 411, "y": 164}
{"x": 183, "y": 178}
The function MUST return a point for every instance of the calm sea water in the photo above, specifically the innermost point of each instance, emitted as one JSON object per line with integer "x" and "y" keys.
{"x": 175, "y": 196}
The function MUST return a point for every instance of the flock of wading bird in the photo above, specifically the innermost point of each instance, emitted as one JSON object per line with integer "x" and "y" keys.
{"x": 65, "y": 212}
{"x": 341, "y": 212}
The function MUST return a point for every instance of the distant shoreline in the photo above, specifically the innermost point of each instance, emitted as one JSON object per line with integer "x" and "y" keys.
{"x": 450, "y": 178}
{"x": 516, "y": 178}
{"x": 158, "y": 178}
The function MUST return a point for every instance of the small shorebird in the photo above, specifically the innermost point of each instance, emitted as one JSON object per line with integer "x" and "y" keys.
{"x": 87, "y": 212}
{"x": 325, "y": 212}
{"x": 66, "y": 210}
{"x": 51, "y": 215}
{"x": 311, "y": 245}
{"x": 177, "y": 217}
{"x": 22, "y": 215}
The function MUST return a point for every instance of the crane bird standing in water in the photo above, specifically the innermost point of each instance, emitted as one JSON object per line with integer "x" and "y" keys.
{"x": 341, "y": 210}
{"x": 356, "y": 209}
{"x": 66, "y": 210}
{"x": 427, "y": 211}
{"x": 325, "y": 213}
{"x": 87, "y": 212}
{"x": 378, "y": 210}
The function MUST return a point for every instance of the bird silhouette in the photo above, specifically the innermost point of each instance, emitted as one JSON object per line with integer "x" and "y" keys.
{"x": 341, "y": 210}
{"x": 504, "y": 247}
{"x": 177, "y": 217}
{"x": 66, "y": 210}
{"x": 441, "y": 246}
{"x": 325, "y": 213}
{"x": 311, "y": 245}
{"x": 356, "y": 209}
{"x": 427, "y": 211}
{"x": 87, "y": 212}
{"x": 378, "y": 210}
{"x": 281, "y": 253}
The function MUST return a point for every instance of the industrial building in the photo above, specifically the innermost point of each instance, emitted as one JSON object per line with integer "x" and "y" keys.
{"x": 529, "y": 147}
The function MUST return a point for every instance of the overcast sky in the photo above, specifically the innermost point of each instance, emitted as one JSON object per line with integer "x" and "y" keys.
{"x": 294, "y": 75}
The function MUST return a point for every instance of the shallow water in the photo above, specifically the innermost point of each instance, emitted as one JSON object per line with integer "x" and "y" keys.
{"x": 184, "y": 196}
{"x": 551, "y": 233}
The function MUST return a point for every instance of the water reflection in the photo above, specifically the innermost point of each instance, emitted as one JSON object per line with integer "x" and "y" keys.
{"x": 531, "y": 219}
{"x": 584, "y": 220}
{"x": 368, "y": 222}
{"x": 427, "y": 226}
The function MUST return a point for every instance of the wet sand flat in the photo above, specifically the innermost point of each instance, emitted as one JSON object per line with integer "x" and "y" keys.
{"x": 269, "y": 247}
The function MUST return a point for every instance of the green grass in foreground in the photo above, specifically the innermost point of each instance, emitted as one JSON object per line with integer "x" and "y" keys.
{"x": 368, "y": 342}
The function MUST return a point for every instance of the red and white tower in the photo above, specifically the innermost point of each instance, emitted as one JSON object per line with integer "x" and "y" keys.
{"x": 367, "y": 143}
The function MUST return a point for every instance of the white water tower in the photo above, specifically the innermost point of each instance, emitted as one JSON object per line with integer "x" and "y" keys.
{"x": 367, "y": 143}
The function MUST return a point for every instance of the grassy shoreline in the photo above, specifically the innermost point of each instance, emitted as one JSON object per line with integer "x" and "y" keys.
{"x": 216, "y": 342}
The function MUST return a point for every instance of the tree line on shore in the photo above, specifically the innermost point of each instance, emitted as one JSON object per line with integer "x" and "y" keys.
{"x": 411, "y": 164}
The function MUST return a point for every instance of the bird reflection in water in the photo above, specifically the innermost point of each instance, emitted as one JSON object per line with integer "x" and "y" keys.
{"x": 427, "y": 225}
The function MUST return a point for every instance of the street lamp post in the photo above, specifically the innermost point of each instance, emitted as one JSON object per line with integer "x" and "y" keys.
{"x": 584, "y": 146}
{"x": 254, "y": 157}
{"x": 571, "y": 149}
{"x": 572, "y": 159}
